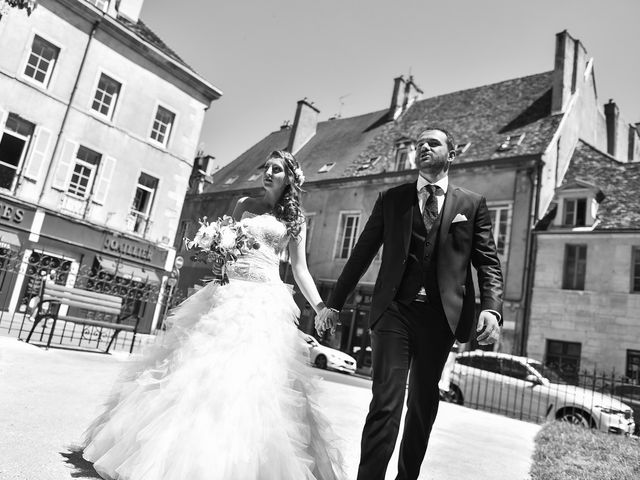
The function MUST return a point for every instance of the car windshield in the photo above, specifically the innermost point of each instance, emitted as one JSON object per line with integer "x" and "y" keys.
{"x": 550, "y": 373}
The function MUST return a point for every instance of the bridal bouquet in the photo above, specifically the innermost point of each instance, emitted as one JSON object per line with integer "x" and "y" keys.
{"x": 220, "y": 243}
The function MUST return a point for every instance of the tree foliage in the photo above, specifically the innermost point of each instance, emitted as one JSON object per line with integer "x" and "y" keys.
{"x": 28, "y": 5}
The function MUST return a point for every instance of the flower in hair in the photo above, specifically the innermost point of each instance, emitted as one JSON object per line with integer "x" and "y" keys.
{"x": 299, "y": 176}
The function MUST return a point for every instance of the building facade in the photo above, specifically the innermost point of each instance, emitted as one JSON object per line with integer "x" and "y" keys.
{"x": 586, "y": 295}
{"x": 514, "y": 139}
{"x": 99, "y": 125}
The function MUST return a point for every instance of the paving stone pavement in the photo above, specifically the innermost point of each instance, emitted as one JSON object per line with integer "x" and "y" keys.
{"x": 48, "y": 397}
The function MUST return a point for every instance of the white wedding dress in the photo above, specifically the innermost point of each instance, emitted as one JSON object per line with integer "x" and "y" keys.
{"x": 224, "y": 393}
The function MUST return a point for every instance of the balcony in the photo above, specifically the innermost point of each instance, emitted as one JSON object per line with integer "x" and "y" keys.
{"x": 73, "y": 205}
{"x": 138, "y": 222}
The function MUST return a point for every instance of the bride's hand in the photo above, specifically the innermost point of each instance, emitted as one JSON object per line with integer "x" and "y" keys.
{"x": 320, "y": 321}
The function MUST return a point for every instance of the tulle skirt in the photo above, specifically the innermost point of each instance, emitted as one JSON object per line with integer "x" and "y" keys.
{"x": 223, "y": 394}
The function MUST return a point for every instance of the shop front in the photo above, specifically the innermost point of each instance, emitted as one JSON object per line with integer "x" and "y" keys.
{"x": 78, "y": 254}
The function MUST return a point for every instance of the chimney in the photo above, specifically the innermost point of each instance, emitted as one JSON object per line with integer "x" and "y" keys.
{"x": 634, "y": 142}
{"x": 395, "y": 109}
{"x": 129, "y": 9}
{"x": 411, "y": 93}
{"x": 611, "y": 114}
{"x": 570, "y": 63}
{"x": 304, "y": 126}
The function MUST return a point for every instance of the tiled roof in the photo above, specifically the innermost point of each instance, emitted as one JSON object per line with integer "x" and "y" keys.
{"x": 618, "y": 181}
{"x": 484, "y": 116}
{"x": 146, "y": 34}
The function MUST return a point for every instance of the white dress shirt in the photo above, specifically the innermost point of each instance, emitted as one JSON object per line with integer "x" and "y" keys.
{"x": 443, "y": 183}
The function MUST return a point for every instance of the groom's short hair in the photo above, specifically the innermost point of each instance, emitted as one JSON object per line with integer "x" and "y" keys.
{"x": 451, "y": 144}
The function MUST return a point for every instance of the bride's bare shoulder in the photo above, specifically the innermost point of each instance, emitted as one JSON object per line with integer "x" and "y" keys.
{"x": 244, "y": 204}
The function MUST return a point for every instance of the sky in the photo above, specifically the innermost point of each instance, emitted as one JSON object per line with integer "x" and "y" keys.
{"x": 265, "y": 55}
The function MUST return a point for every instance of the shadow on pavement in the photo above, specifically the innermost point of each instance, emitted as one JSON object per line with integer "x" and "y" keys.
{"x": 82, "y": 468}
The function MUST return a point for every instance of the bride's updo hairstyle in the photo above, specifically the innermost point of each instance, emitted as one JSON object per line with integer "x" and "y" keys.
{"x": 287, "y": 208}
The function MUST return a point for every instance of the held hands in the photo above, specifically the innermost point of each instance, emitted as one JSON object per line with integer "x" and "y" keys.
{"x": 488, "y": 328}
{"x": 327, "y": 319}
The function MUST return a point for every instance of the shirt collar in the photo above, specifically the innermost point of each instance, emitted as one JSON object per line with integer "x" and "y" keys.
{"x": 443, "y": 183}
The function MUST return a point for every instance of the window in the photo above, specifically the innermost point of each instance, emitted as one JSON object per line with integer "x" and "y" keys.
{"x": 482, "y": 362}
{"x": 635, "y": 270}
{"x": 511, "y": 142}
{"x": 230, "y": 180}
{"x": 462, "y": 147}
{"x": 403, "y": 159}
{"x": 83, "y": 173}
{"x": 326, "y": 167}
{"x": 575, "y": 212}
{"x": 254, "y": 176}
{"x": 101, "y": 4}
{"x": 142, "y": 201}
{"x": 563, "y": 357}
{"x": 514, "y": 369}
{"x": 16, "y": 135}
{"x": 106, "y": 96}
{"x": 162, "y": 125}
{"x": 575, "y": 267}
{"x": 501, "y": 224}
{"x": 42, "y": 60}
{"x": 348, "y": 230}
{"x": 633, "y": 366}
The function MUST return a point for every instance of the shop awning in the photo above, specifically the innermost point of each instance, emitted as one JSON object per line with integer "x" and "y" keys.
{"x": 124, "y": 270}
{"x": 9, "y": 239}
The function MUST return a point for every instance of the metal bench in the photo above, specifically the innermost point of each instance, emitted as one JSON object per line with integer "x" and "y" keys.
{"x": 103, "y": 304}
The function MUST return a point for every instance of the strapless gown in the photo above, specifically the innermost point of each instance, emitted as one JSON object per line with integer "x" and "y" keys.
{"x": 224, "y": 393}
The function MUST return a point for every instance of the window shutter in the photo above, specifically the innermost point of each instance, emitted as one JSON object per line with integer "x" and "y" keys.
{"x": 3, "y": 115}
{"x": 107, "y": 166}
{"x": 38, "y": 154}
{"x": 63, "y": 169}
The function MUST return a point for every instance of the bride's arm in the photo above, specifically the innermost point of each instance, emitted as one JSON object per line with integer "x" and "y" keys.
{"x": 239, "y": 209}
{"x": 301, "y": 273}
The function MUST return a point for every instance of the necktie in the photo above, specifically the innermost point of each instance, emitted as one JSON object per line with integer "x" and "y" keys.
{"x": 430, "y": 212}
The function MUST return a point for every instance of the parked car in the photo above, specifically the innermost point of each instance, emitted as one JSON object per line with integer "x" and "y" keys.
{"x": 325, "y": 357}
{"x": 520, "y": 387}
{"x": 630, "y": 395}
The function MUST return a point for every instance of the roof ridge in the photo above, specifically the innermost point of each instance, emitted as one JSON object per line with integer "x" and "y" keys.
{"x": 605, "y": 154}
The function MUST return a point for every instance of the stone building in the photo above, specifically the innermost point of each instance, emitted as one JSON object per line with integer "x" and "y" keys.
{"x": 514, "y": 140}
{"x": 585, "y": 306}
{"x": 99, "y": 126}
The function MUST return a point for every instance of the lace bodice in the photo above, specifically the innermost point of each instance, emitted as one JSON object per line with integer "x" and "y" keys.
{"x": 262, "y": 264}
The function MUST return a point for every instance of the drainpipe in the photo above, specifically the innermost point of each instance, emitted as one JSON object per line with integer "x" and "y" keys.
{"x": 66, "y": 113}
{"x": 531, "y": 255}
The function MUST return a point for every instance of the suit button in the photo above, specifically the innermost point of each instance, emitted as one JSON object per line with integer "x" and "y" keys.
{"x": 404, "y": 261}
{"x": 428, "y": 244}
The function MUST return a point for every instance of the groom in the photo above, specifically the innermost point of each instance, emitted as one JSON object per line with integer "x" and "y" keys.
{"x": 431, "y": 232}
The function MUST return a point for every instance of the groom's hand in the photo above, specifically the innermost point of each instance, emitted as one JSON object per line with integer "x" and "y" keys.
{"x": 488, "y": 328}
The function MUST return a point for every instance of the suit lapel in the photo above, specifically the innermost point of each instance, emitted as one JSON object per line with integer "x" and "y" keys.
{"x": 448, "y": 211}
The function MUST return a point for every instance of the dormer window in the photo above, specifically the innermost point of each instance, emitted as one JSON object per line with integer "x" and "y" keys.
{"x": 405, "y": 156}
{"x": 461, "y": 148}
{"x": 575, "y": 212}
{"x": 511, "y": 141}
{"x": 254, "y": 176}
{"x": 230, "y": 180}
{"x": 326, "y": 167}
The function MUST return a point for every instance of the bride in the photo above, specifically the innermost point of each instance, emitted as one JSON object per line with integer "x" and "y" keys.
{"x": 224, "y": 393}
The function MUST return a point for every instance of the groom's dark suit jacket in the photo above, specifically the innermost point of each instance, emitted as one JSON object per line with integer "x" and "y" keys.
{"x": 460, "y": 245}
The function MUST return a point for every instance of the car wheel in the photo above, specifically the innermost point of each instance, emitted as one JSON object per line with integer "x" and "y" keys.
{"x": 575, "y": 417}
{"x": 321, "y": 361}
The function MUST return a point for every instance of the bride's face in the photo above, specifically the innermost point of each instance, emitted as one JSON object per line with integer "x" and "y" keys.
{"x": 274, "y": 176}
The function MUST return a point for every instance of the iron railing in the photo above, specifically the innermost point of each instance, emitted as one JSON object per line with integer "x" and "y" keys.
{"x": 527, "y": 390}
{"x": 20, "y": 280}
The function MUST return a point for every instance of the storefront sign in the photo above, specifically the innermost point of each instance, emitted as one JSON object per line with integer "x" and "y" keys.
{"x": 127, "y": 248}
{"x": 11, "y": 214}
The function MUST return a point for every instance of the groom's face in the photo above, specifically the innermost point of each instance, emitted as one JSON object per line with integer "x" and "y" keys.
{"x": 432, "y": 153}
